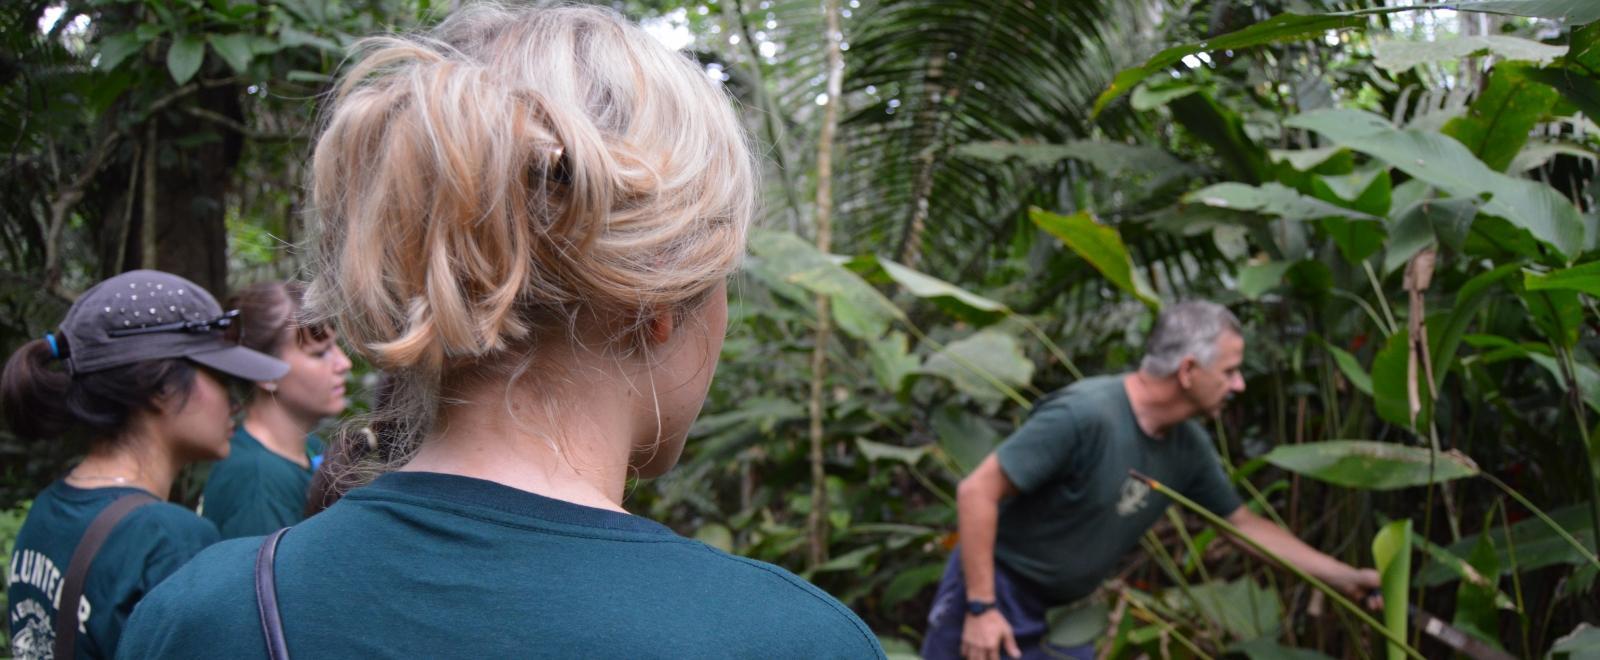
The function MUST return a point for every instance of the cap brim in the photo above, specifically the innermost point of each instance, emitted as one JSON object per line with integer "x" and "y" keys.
{"x": 242, "y": 362}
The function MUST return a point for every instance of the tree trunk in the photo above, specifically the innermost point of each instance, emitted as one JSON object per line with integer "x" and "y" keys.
{"x": 817, "y": 522}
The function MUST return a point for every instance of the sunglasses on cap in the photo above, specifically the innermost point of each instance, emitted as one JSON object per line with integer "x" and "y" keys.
{"x": 219, "y": 323}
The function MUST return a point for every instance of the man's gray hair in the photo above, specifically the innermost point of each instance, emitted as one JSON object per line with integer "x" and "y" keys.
{"x": 1187, "y": 329}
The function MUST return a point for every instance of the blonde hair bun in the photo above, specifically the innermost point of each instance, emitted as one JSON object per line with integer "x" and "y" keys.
{"x": 475, "y": 185}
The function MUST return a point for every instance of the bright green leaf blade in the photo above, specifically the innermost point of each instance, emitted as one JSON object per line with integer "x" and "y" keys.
{"x": 1582, "y": 277}
{"x": 184, "y": 58}
{"x": 926, "y": 286}
{"x": 234, "y": 49}
{"x": 966, "y": 438}
{"x": 1270, "y": 199}
{"x": 1368, "y": 465}
{"x": 1278, "y": 29}
{"x": 1351, "y": 368}
{"x": 1498, "y": 121}
{"x": 1450, "y": 166}
{"x": 1101, "y": 246}
{"x": 863, "y": 312}
{"x": 1389, "y": 381}
{"x": 1399, "y": 55}
{"x": 878, "y": 451}
{"x": 1391, "y": 551}
{"x": 1257, "y": 279}
{"x": 982, "y": 365}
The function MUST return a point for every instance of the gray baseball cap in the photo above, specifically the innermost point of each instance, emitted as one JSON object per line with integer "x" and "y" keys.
{"x": 150, "y": 315}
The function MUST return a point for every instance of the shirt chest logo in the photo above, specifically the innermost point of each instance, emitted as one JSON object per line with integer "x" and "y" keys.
{"x": 1135, "y": 496}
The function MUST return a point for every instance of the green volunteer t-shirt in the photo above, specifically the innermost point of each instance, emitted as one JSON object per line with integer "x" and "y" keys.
{"x": 255, "y": 491}
{"x": 428, "y": 565}
{"x": 1079, "y": 512}
{"x": 142, "y": 550}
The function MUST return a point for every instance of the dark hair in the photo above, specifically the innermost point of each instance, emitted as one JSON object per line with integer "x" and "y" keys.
{"x": 40, "y": 400}
{"x": 266, "y": 309}
{"x": 353, "y": 444}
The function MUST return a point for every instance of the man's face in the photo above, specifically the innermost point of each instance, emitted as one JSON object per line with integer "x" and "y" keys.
{"x": 1210, "y": 385}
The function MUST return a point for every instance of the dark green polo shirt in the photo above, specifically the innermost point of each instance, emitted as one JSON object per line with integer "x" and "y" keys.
{"x": 1079, "y": 512}
{"x": 255, "y": 491}
{"x": 427, "y": 565}
{"x": 143, "y": 549}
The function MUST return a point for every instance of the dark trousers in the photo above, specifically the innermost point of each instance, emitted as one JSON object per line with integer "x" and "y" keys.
{"x": 1024, "y": 611}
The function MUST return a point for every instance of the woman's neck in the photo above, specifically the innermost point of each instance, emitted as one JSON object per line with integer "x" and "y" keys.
{"x": 129, "y": 462}
{"x": 569, "y": 441}
{"x": 279, "y": 430}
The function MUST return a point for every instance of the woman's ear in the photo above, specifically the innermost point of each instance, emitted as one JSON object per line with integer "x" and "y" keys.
{"x": 660, "y": 326}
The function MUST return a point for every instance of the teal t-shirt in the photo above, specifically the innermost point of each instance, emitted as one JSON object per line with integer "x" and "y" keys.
{"x": 427, "y": 565}
{"x": 143, "y": 549}
{"x": 255, "y": 491}
{"x": 1079, "y": 512}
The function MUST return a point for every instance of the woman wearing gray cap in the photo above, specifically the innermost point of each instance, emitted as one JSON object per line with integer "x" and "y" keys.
{"x": 140, "y": 368}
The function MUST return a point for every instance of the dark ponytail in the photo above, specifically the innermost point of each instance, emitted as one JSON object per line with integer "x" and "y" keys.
{"x": 33, "y": 392}
{"x": 40, "y": 400}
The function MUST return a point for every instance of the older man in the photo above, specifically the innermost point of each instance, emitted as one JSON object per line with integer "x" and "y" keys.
{"x": 1049, "y": 515}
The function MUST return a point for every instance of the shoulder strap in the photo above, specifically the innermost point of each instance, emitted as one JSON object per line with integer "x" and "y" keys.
{"x": 78, "y": 571}
{"x": 267, "y": 597}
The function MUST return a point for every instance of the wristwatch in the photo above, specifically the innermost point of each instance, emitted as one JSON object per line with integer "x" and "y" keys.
{"x": 976, "y": 607}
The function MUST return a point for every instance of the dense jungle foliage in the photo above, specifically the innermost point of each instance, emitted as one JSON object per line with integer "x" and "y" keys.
{"x": 978, "y": 203}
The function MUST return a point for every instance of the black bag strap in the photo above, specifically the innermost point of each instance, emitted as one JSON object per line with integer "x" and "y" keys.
{"x": 267, "y": 597}
{"x": 78, "y": 571}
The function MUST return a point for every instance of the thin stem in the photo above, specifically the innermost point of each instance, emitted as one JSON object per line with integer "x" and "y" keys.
{"x": 1319, "y": 584}
{"x": 1377, "y": 290}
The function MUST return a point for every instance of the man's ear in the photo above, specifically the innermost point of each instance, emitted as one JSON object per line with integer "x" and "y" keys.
{"x": 1186, "y": 372}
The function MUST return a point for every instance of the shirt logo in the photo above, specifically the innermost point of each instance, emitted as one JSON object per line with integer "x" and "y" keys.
{"x": 1134, "y": 498}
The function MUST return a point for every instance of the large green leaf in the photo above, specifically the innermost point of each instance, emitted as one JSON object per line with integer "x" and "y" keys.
{"x": 1278, "y": 29}
{"x": 1351, "y": 368}
{"x": 234, "y": 49}
{"x": 1389, "y": 380}
{"x": 954, "y": 300}
{"x": 1537, "y": 546}
{"x": 1368, "y": 465}
{"x": 1099, "y": 245}
{"x": 1399, "y": 55}
{"x": 1574, "y": 12}
{"x": 1450, "y": 166}
{"x": 1391, "y": 551}
{"x": 1425, "y": 223}
{"x": 1271, "y": 199}
{"x": 981, "y": 363}
{"x": 1498, "y": 121}
{"x": 1242, "y": 607}
{"x": 1583, "y": 642}
{"x": 116, "y": 48}
{"x": 184, "y": 57}
{"x": 860, "y": 310}
{"x": 966, "y": 438}
{"x": 1476, "y": 610}
{"x": 1110, "y": 158}
{"x": 1256, "y": 279}
{"x": 1582, "y": 277}
{"x": 891, "y": 361}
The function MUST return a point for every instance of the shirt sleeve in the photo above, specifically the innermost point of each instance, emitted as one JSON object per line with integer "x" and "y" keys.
{"x": 1208, "y": 485}
{"x": 1054, "y": 443}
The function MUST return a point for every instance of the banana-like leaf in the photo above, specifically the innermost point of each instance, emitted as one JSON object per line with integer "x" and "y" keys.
{"x": 1278, "y": 29}
{"x": 1582, "y": 277}
{"x": 1537, "y": 546}
{"x": 1498, "y": 121}
{"x": 1271, "y": 199}
{"x": 1368, "y": 465}
{"x": 861, "y": 310}
{"x": 1101, "y": 246}
{"x": 1257, "y": 279}
{"x": 1450, "y": 166}
{"x": 1399, "y": 55}
{"x": 992, "y": 352}
{"x": 956, "y": 301}
{"x": 1391, "y": 551}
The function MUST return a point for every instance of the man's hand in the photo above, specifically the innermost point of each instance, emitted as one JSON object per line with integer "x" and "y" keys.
{"x": 1359, "y": 585}
{"x": 986, "y": 635}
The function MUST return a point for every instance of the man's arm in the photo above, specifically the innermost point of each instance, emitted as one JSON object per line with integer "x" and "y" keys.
{"x": 978, "y": 514}
{"x": 1353, "y": 582}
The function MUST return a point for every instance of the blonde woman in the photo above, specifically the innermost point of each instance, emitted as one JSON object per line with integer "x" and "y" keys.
{"x": 527, "y": 217}
{"x": 261, "y": 487}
